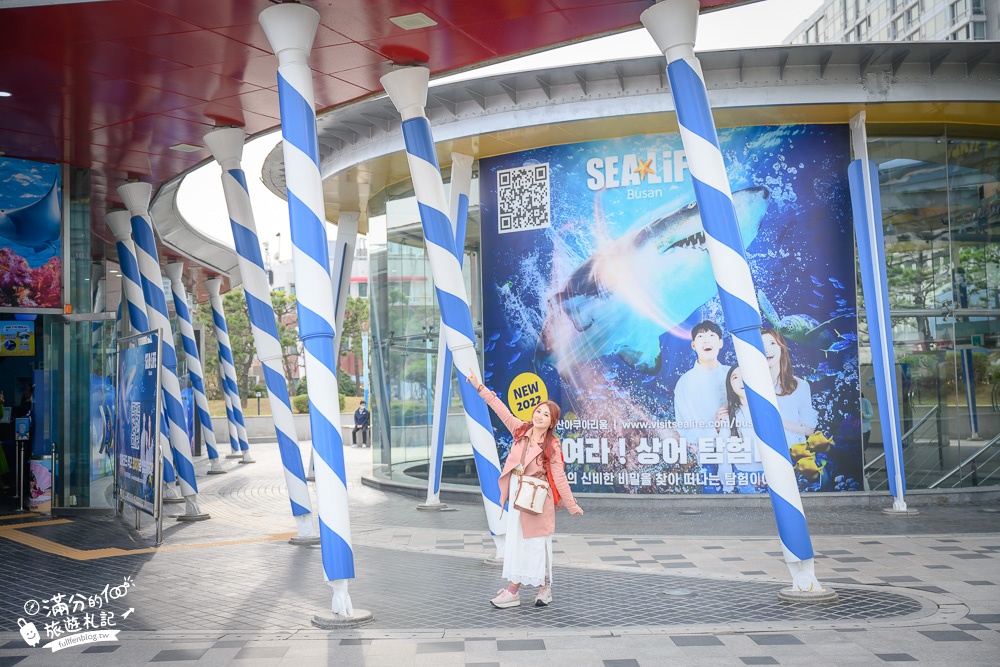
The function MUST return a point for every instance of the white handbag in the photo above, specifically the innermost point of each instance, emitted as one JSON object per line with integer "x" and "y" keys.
{"x": 531, "y": 495}
{"x": 531, "y": 491}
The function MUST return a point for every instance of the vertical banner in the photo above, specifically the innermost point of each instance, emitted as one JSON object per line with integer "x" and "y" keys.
{"x": 30, "y": 236}
{"x": 598, "y": 294}
{"x": 136, "y": 445}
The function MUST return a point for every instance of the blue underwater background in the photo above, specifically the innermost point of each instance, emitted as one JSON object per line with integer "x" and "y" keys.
{"x": 801, "y": 259}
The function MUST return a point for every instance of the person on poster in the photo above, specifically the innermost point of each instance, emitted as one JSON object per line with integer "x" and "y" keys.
{"x": 701, "y": 392}
{"x": 798, "y": 416}
{"x": 741, "y": 449}
{"x": 867, "y": 414}
{"x": 535, "y": 452}
{"x": 361, "y": 419}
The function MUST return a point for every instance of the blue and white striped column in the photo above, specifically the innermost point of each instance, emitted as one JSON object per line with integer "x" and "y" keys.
{"x": 407, "y": 88}
{"x": 227, "y": 148}
{"x": 120, "y": 223}
{"x": 175, "y": 272}
{"x": 673, "y": 25}
{"x": 227, "y": 368}
{"x": 136, "y": 197}
{"x": 867, "y": 205}
{"x": 291, "y": 29}
{"x": 461, "y": 182}
{"x": 217, "y": 315}
{"x": 234, "y": 436}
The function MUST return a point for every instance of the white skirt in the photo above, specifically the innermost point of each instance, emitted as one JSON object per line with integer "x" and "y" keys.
{"x": 525, "y": 560}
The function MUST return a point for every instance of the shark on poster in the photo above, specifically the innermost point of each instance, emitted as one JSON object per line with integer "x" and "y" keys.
{"x": 30, "y": 242}
{"x": 598, "y": 293}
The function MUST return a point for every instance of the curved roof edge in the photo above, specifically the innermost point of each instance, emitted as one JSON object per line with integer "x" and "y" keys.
{"x": 176, "y": 233}
{"x": 856, "y": 74}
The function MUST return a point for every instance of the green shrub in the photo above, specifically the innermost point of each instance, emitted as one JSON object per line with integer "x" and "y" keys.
{"x": 301, "y": 404}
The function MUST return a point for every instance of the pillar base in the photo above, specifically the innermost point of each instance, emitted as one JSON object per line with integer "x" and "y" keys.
{"x": 245, "y": 458}
{"x": 194, "y": 517}
{"x": 492, "y": 561}
{"x": 172, "y": 501}
{"x": 235, "y": 456}
{"x": 337, "y": 622}
{"x": 895, "y": 512}
{"x": 216, "y": 472}
{"x": 304, "y": 540}
{"x": 824, "y": 596}
{"x": 432, "y": 507}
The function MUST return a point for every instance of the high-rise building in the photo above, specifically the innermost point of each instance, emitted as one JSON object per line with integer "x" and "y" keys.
{"x": 899, "y": 20}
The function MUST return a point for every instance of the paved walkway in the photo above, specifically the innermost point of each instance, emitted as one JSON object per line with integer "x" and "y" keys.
{"x": 632, "y": 587}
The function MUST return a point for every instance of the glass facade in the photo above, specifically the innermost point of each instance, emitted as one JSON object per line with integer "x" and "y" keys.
{"x": 405, "y": 322}
{"x": 941, "y": 215}
{"x": 940, "y": 193}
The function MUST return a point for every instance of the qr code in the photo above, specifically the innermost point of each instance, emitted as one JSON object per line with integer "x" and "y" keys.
{"x": 523, "y": 198}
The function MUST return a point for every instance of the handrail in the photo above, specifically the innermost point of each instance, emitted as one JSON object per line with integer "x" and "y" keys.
{"x": 904, "y": 436}
{"x": 966, "y": 462}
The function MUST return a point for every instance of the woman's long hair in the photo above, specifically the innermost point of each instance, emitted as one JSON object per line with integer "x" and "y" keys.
{"x": 550, "y": 434}
{"x": 787, "y": 382}
{"x": 733, "y": 402}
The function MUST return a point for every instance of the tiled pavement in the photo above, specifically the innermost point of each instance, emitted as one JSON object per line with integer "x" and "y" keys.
{"x": 632, "y": 587}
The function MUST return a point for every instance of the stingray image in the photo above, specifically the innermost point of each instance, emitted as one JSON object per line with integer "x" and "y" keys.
{"x": 34, "y": 226}
{"x": 636, "y": 287}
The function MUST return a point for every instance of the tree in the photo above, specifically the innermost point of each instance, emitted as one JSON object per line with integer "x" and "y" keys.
{"x": 356, "y": 320}
{"x": 240, "y": 338}
{"x": 288, "y": 334}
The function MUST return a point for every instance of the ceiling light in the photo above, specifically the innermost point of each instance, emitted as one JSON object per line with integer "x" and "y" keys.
{"x": 413, "y": 21}
{"x": 4, "y": 93}
{"x": 185, "y": 148}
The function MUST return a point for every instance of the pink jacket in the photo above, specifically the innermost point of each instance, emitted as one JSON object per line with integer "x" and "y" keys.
{"x": 544, "y": 523}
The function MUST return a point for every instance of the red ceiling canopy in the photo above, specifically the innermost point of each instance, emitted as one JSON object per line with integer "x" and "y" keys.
{"x": 111, "y": 86}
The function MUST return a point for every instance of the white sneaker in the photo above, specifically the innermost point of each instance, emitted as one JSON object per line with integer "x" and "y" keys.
{"x": 544, "y": 597}
{"x": 506, "y": 599}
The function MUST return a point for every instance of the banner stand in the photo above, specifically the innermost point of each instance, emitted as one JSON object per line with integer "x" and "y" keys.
{"x": 136, "y": 450}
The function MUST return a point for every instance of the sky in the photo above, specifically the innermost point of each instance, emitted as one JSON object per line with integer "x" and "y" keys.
{"x": 766, "y": 23}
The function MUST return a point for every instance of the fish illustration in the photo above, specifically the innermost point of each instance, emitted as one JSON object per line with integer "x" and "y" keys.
{"x": 801, "y": 328}
{"x": 810, "y": 468}
{"x": 636, "y": 287}
{"x": 36, "y": 225}
{"x": 819, "y": 442}
{"x": 839, "y": 346}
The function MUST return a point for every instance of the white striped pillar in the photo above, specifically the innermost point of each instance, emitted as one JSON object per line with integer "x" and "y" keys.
{"x": 461, "y": 183}
{"x": 120, "y": 223}
{"x": 175, "y": 272}
{"x": 227, "y": 148}
{"x": 407, "y": 88}
{"x": 673, "y": 25}
{"x": 290, "y": 29}
{"x": 227, "y": 368}
{"x": 136, "y": 197}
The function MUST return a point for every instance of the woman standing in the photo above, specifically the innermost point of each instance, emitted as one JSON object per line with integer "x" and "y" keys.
{"x": 535, "y": 453}
{"x": 798, "y": 416}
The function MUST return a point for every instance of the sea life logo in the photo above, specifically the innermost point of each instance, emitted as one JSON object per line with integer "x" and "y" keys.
{"x": 75, "y": 619}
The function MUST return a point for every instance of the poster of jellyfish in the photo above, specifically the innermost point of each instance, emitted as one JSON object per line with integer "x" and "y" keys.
{"x": 30, "y": 242}
{"x": 598, "y": 293}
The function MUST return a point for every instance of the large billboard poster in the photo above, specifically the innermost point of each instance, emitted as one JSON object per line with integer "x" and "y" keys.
{"x": 30, "y": 235}
{"x": 598, "y": 293}
{"x": 136, "y": 446}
